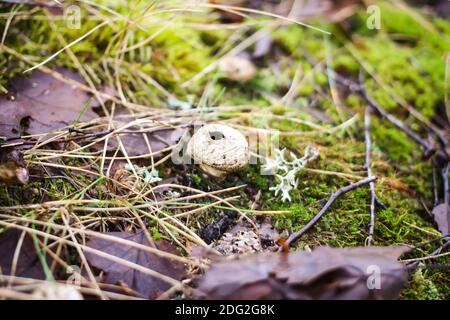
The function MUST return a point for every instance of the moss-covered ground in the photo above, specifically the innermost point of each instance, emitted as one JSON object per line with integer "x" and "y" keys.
{"x": 405, "y": 63}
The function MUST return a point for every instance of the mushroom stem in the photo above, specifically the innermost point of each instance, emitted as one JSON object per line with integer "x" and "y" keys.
{"x": 219, "y": 174}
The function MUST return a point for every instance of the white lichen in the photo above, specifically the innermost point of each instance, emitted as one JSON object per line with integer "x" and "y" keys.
{"x": 151, "y": 176}
{"x": 173, "y": 194}
{"x": 286, "y": 171}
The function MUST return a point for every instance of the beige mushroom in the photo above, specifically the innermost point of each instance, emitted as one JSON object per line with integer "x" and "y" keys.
{"x": 218, "y": 149}
{"x": 237, "y": 68}
{"x": 56, "y": 291}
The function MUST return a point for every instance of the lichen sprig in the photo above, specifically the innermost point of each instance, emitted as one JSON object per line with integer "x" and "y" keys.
{"x": 286, "y": 171}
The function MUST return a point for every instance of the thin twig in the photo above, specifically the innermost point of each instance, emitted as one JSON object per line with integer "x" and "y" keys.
{"x": 435, "y": 188}
{"x": 430, "y": 257}
{"x": 369, "y": 175}
{"x": 396, "y": 122}
{"x": 435, "y": 254}
{"x": 420, "y": 245}
{"x": 296, "y": 235}
{"x": 446, "y": 184}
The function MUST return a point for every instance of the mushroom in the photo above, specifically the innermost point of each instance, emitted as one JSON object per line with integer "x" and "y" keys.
{"x": 218, "y": 149}
{"x": 237, "y": 68}
{"x": 56, "y": 291}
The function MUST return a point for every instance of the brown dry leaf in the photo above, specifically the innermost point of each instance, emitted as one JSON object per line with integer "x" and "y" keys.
{"x": 135, "y": 144}
{"x": 27, "y": 264}
{"x": 115, "y": 273}
{"x": 42, "y": 103}
{"x": 325, "y": 273}
{"x": 442, "y": 218}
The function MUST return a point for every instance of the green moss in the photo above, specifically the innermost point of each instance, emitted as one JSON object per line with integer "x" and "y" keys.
{"x": 411, "y": 64}
{"x": 396, "y": 21}
{"x": 305, "y": 89}
{"x": 421, "y": 288}
{"x": 406, "y": 73}
{"x": 155, "y": 233}
{"x": 252, "y": 175}
{"x": 392, "y": 142}
{"x": 347, "y": 63}
{"x": 196, "y": 179}
{"x": 289, "y": 37}
{"x": 278, "y": 110}
{"x": 264, "y": 80}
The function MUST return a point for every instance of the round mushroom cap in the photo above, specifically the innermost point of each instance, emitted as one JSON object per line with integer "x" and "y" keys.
{"x": 219, "y": 147}
{"x": 237, "y": 68}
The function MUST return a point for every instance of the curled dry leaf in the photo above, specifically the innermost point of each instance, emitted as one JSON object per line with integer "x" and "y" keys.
{"x": 116, "y": 273}
{"x": 325, "y": 273}
{"x": 42, "y": 103}
{"x": 441, "y": 214}
{"x": 141, "y": 143}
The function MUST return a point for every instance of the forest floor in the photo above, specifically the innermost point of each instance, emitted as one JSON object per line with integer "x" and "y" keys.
{"x": 113, "y": 96}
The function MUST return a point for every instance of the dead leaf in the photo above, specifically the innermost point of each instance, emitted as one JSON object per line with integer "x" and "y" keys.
{"x": 325, "y": 273}
{"x": 28, "y": 264}
{"x": 135, "y": 144}
{"x": 42, "y": 103}
{"x": 442, "y": 218}
{"x": 115, "y": 273}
